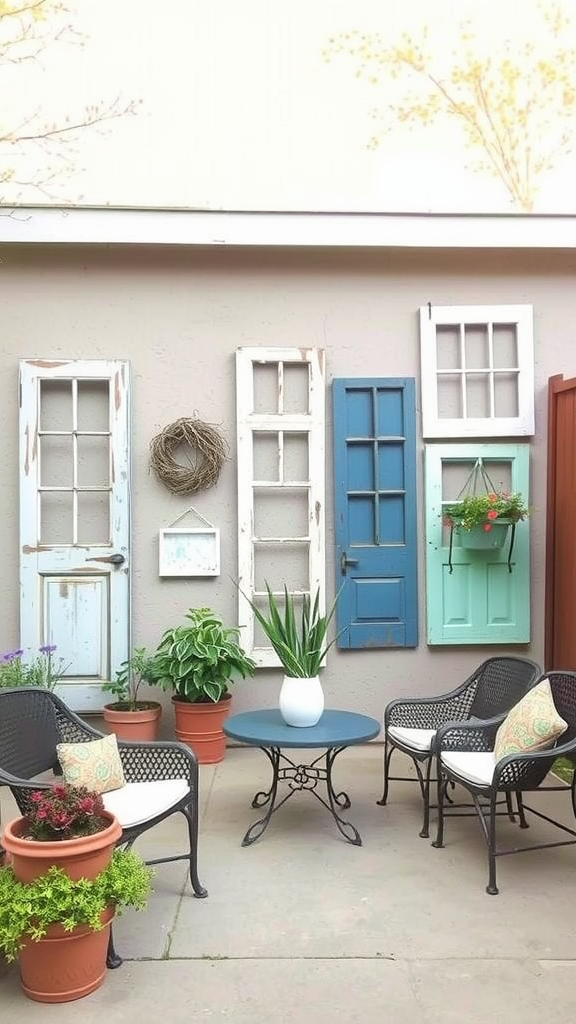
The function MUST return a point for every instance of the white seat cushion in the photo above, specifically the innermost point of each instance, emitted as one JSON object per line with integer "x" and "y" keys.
{"x": 474, "y": 766}
{"x": 418, "y": 739}
{"x": 137, "y": 802}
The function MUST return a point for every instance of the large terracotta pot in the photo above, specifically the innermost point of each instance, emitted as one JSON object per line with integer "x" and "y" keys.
{"x": 84, "y": 857}
{"x": 200, "y": 727}
{"x": 65, "y": 965}
{"x": 133, "y": 725}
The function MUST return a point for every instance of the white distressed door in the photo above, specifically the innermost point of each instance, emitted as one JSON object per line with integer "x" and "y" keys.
{"x": 75, "y": 520}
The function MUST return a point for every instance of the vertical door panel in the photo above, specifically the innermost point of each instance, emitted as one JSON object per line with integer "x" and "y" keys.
{"x": 375, "y": 499}
{"x": 472, "y": 596}
{"x": 560, "y": 649}
{"x": 75, "y": 520}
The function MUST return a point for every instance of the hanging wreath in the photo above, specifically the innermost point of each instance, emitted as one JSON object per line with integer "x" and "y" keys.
{"x": 208, "y": 450}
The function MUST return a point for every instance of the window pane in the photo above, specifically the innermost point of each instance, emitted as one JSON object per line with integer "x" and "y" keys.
{"x": 93, "y": 461}
{"x": 476, "y": 346}
{"x": 56, "y": 405}
{"x": 56, "y": 517}
{"x": 56, "y": 461}
{"x": 93, "y": 405}
{"x": 448, "y": 347}
{"x": 93, "y": 517}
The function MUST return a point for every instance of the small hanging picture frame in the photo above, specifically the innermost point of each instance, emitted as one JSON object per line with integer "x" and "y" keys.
{"x": 189, "y": 550}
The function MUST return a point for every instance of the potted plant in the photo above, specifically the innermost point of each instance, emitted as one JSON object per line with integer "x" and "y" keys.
{"x": 198, "y": 662}
{"x": 64, "y": 825}
{"x": 482, "y": 520}
{"x": 63, "y": 882}
{"x": 129, "y": 717}
{"x": 300, "y": 641}
{"x": 59, "y": 928}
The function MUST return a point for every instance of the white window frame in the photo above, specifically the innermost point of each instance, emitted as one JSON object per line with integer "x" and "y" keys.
{"x": 522, "y": 425}
{"x": 311, "y": 423}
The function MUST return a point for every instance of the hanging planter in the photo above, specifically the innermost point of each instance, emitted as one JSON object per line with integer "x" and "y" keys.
{"x": 482, "y": 519}
{"x": 480, "y": 539}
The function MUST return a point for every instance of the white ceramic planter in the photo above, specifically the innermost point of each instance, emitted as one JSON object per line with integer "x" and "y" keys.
{"x": 301, "y": 701}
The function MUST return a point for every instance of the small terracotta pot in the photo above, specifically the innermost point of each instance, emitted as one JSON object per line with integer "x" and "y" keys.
{"x": 83, "y": 857}
{"x": 133, "y": 725}
{"x": 200, "y": 727}
{"x": 65, "y": 965}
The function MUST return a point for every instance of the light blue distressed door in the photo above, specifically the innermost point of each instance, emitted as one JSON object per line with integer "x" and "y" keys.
{"x": 375, "y": 512}
{"x": 75, "y": 520}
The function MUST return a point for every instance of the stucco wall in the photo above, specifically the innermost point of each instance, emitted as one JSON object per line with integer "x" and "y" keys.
{"x": 178, "y": 315}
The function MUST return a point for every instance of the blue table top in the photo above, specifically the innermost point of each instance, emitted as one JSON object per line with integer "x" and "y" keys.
{"x": 268, "y": 729}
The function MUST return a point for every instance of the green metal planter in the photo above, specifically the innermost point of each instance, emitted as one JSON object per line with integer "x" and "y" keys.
{"x": 479, "y": 539}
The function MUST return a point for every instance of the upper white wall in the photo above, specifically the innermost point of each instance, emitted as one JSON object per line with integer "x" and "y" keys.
{"x": 179, "y": 314}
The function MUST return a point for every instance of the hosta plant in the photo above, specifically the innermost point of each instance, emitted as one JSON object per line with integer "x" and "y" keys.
{"x": 485, "y": 509}
{"x": 27, "y": 909}
{"x": 299, "y": 637}
{"x": 199, "y": 661}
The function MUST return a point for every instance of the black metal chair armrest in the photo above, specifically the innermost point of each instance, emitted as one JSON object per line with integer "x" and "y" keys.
{"x": 529, "y": 769}
{"x": 470, "y": 736}
{"x": 154, "y": 761}
{"x": 429, "y": 712}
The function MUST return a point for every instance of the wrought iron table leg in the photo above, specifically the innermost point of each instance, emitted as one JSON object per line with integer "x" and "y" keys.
{"x": 262, "y": 798}
{"x": 301, "y": 777}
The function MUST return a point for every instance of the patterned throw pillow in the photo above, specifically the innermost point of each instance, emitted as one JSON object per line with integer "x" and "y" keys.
{"x": 96, "y": 764}
{"x": 532, "y": 724}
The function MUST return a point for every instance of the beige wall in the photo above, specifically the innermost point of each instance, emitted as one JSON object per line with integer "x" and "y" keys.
{"x": 178, "y": 315}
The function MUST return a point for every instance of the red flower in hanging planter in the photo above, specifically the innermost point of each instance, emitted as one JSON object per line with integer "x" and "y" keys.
{"x": 492, "y": 514}
{"x": 487, "y": 527}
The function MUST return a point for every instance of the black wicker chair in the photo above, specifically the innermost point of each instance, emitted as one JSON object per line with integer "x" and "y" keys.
{"x": 410, "y": 724}
{"x": 33, "y": 721}
{"x": 465, "y": 756}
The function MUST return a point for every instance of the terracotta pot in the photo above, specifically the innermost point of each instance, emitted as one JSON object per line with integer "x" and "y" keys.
{"x": 133, "y": 725}
{"x": 200, "y": 727}
{"x": 65, "y": 965}
{"x": 84, "y": 857}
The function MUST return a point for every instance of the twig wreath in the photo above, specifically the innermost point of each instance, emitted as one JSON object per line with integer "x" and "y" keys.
{"x": 208, "y": 449}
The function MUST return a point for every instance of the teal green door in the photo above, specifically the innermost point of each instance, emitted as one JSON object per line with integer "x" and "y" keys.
{"x": 472, "y": 596}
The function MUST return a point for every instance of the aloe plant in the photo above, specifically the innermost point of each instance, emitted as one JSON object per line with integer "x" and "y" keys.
{"x": 300, "y": 641}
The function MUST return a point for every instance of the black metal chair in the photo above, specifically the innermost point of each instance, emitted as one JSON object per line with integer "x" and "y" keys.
{"x": 465, "y": 753}
{"x": 33, "y": 721}
{"x": 411, "y": 723}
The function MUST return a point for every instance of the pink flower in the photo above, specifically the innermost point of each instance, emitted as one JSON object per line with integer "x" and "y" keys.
{"x": 487, "y": 527}
{"x": 492, "y": 514}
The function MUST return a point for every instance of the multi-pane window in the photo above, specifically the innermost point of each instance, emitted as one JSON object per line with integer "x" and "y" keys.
{"x": 477, "y": 371}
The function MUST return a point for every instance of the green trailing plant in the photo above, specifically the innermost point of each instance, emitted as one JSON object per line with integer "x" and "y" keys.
{"x": 139, "y": 669}
{"x": 485, "y": 509}
{"x": 198, "y": 661}
{"x": 28, "y": 908}
{"x": 43, "y": 670}
{"x": 298, "y": 638}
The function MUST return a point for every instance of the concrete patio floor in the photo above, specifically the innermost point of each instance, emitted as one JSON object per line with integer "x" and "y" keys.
{"x": 302, "y": 926}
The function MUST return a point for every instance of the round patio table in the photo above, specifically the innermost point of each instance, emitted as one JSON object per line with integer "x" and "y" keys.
{"x": 335, "y": 731}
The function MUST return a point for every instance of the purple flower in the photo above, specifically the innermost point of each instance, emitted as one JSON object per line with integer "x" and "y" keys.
{"x": 12, "y": 655}
{"x": 48, "y": 649}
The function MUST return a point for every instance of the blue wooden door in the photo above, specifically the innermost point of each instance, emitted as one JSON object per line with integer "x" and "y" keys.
{"x": 375, "y": 512}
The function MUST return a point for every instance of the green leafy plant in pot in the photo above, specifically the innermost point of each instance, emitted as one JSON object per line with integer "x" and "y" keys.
{"x": 198, "y": 661}
{"x": 299, "y": 636}
{"x": 129, "y": 716}
{"x": 59, "y": 928}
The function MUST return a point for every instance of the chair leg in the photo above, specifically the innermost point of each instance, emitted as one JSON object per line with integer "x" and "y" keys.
{"x": 492, "y": 888}
{"x": 521, "y": 813}
{"x": 388, "y": 751}
{"x": 191, "y": 816}
{"x": 425, "y": 830}
{"x": 112, "y": 959}
{"x": 509, "y": 806}
{"x": 440, "y": 787}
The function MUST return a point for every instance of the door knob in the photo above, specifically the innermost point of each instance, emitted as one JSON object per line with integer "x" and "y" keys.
{"x": 345, "y": 561}
{"x": 116, "y": 559}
